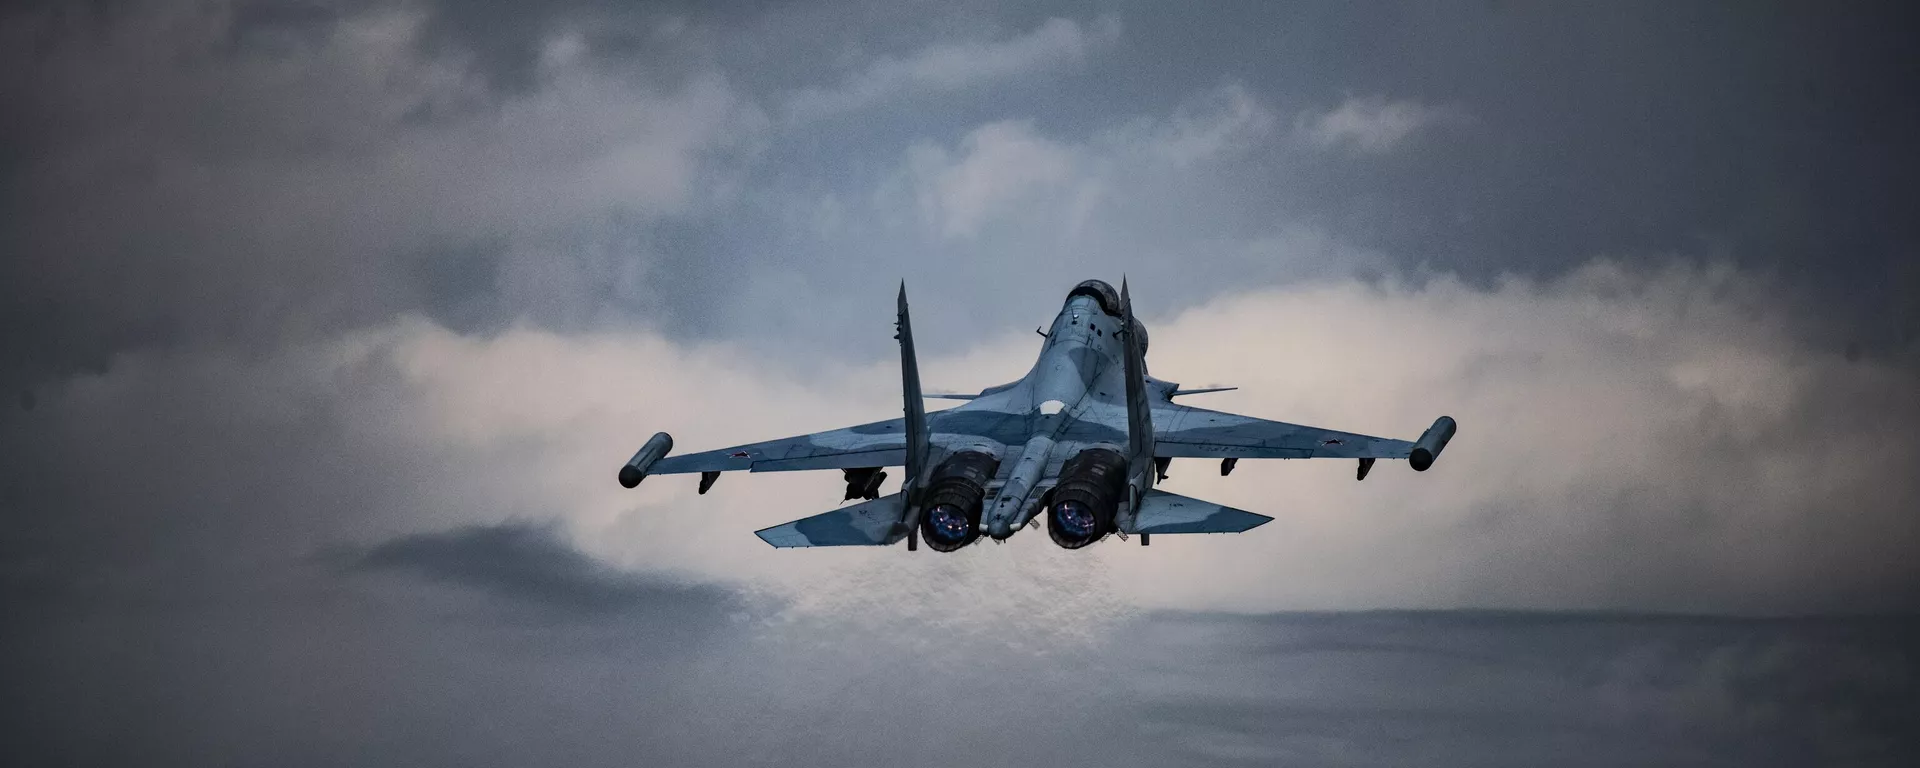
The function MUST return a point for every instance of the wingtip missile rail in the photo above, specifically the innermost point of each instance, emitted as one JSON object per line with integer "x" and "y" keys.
{"x": 636, "y": 467}
{"x": 1431, "y": 442}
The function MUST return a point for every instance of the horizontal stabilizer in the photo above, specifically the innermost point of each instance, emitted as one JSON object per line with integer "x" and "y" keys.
{"x": 950, "y": 396}
{"x": 1162, "y": 512}
{"x": 867, "y": 524}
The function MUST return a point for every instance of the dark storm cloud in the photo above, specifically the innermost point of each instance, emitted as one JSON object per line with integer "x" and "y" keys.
{"x": 1469, "y": 688}
{"x": 529, "y": 562}
{"x": 399, "y": 677}
{"x": 306, "y": 668}
{"x": 184, "y": 176}
{"x": 170, "y": 176}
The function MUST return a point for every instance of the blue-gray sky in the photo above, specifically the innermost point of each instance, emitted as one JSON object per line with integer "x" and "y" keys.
{"x": 323, "y": 325}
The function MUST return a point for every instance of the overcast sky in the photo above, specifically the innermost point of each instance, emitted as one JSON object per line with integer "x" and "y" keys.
{"x": 324, "y": 326}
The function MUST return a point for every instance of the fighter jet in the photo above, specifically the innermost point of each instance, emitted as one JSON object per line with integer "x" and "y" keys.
{"x": 1080, "y": 440}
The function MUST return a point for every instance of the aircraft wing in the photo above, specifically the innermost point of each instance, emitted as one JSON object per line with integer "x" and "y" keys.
{"x": 879, "y": 444}
{"x": 1183, "y": 432}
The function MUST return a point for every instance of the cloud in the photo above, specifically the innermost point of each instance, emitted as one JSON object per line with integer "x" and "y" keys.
{"x": 1444, "y": 688}
{"x": 996, "y": 167}
{"x": 527, "y": 562}
{"x": 1007, "y": 172}
{"x": 1223, "y": 121}
{"x": 1624, "y": 432}
{"x": 408, "y": 281}
{"x": 1374, "y": 124}
{"x": 1655, "y": 440}
{"x": 951, "y": 66}
{"x": 206, "y": 191}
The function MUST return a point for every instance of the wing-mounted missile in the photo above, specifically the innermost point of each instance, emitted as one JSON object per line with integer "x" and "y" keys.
{"x": 636, "y": 467}
{"x": 1431, "y": 442}
{"x": 863, "y": 482}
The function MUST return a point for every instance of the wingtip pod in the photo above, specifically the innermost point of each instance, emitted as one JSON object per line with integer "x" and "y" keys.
{"x": 1434, "y": 440}
{"x": 636, "y": 467}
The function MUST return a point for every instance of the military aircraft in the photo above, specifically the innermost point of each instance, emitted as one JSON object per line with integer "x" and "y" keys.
{"x": 1082, "y": 437}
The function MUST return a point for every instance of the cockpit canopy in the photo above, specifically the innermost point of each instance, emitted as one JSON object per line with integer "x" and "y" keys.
{"x": 1105, "y": 294}
{"x": 1109, "y": 303}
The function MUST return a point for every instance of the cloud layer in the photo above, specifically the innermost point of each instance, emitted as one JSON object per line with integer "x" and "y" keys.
{"x": 1630, "y": 440}
{"x": 1374, "y": 124}
{"x": 324, "y": 326}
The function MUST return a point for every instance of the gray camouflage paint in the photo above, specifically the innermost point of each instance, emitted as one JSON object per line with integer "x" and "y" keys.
{"x": 1073, "y": 399}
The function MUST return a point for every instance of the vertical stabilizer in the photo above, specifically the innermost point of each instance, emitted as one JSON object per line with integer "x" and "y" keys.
{"x": 1140, "y": 468}
{"x": 1139, "y": 411}
{"x": 916, "y": 409}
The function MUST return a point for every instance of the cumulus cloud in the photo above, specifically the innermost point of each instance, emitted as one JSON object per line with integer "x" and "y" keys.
{"x": 1008, "y": 171}
{"x": 996, "y": 167}
{"x": 1374, "y": 124}
{"x": 1645, "y": 440}
{"x": 1221, "y": 121}
{"x": 1622, "y": 432}
{"x": 947, "y": 66}
{"x": 1630, "y": 439}
{"x": 217, "y": 190}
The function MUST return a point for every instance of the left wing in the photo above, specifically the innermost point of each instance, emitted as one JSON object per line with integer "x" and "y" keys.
{"x": 1185, "y": 432}
{"x": 879, "y": 444}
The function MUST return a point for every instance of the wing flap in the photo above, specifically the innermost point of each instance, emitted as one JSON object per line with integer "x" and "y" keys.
{"x": 873, "y": 523}
{"x": 1162, "y": 512}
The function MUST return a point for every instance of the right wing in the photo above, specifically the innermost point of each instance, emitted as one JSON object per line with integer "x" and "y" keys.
{"x": 1185, "y": 432}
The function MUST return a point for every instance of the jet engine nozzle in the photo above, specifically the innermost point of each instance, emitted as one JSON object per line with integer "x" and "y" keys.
{"x": 1081, "y": 508}
{"x": 1431, "y": 442}
{"x": 950, "y": 517}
